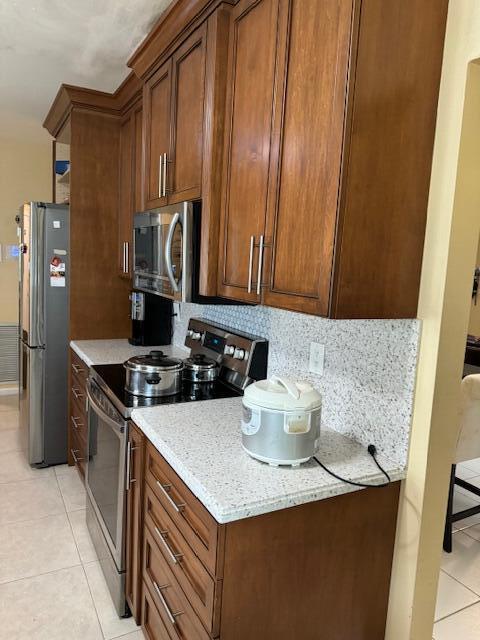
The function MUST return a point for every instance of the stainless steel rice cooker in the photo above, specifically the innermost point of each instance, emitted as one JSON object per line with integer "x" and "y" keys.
{"x": 281, "y": 421}
{"x": 152, "y": 375}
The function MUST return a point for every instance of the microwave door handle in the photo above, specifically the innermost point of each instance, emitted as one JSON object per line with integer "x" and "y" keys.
{"x": 168, "y": 252}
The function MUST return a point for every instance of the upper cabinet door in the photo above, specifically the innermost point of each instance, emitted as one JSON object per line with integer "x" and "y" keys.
{"x": 184, "y": 170}
{"x": 157, "y": 117}
{"x": 312, "y": 69}
{"x": 249, "y": 103}
{"x": 126, "y": 196}
{"x": 138, "y": 160}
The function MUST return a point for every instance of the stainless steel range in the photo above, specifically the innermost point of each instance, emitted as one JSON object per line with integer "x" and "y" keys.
{"x": 238, "y": 360}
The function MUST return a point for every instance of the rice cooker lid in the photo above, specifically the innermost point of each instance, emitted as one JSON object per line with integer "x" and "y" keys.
{"x": 282, "y": 394}
{"x": 153, "y": 362}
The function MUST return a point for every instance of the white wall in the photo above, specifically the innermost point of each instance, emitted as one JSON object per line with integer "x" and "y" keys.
{"x": 453, "y": 229}
{"x": 25, "y": 174}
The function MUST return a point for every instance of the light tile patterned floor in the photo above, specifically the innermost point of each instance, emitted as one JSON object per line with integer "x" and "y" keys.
{"x": 51, "y": 585}
{"x": 458, "y": 601}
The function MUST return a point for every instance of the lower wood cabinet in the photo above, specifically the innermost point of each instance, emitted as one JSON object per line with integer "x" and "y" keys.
{"x": 318, "y": 570}
{"x": 77, "y": 418}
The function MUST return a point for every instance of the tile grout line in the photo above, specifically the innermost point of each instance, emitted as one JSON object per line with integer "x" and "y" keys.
{"x": 468, "y": 606}
{"x": 39, "y": 575}
{"x": 461, "y": 583}
{"x": 93, "y": 601}
{"x": 82, "y": 564}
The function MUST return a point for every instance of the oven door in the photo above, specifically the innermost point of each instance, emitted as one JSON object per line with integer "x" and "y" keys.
{"x": 106, "y": 468}
{"x": 162, "y": 244}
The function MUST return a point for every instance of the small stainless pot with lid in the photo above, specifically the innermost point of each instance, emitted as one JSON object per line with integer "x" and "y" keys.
{"x": 199, "y": 368}
{"x": 155, "y": 374}
{"x": 281, "y": 421}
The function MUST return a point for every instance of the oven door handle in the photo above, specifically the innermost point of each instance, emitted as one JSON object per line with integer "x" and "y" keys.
{"x": 168, "y": 252}
{"x": 119, "y": 429}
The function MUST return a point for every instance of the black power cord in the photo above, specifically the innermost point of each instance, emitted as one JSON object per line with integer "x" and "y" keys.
{"x": 372, "y": 450}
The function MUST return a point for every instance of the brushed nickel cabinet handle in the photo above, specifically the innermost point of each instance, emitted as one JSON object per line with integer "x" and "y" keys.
{"x": 171, "y": 616}
{"x": 75, "y": 459}
{"x": 77, "y": 369}
{"x": 173, "y": 556}
{"x": 127, "y": 256}
{"x": 77, "y": 393}
{"x": 130, "y": 449}
{"x": 164, "y": 488}
{"x": 75, "y": 423}
{"x": 250, "y": 264}
{"x": 260, "y": 265}
{"x": 160, "y": 176}
{"x": 164, "y": 192}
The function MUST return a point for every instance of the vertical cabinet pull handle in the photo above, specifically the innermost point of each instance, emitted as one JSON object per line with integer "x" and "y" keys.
{"x": 130, "y": 480}
{"x": 164, "y": 192}
{"x": 260, "y": 265}
{"x": 250, "y": 264}
{"x": 126, "y": 268}
{"x": 160, "y": 176}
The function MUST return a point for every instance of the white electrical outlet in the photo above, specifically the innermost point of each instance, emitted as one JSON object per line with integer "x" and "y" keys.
{"x": 317, "y": 358}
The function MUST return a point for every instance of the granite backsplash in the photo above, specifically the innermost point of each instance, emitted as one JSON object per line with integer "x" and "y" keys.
{"x": 370, "y": 366}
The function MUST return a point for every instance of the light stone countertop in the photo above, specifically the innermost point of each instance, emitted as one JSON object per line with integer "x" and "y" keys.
{"x": 116, "y": 351}
{"x": 202, "y": 442}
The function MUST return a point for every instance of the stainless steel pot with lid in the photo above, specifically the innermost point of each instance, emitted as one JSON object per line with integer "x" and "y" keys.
{"x": 153, "y": 374}
{"x": 200, "y": 368}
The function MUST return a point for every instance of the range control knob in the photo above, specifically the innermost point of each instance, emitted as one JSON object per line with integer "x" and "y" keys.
{"x": 194, "y": 335}
{"x": 229, "y": 350}
{"x": 239, "y": 354}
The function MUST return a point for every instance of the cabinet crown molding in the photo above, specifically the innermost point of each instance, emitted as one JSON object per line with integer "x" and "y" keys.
{"x": 70, "y": 97}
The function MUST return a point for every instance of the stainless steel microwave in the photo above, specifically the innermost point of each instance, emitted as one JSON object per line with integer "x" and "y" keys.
{"x": 163, "y": 251}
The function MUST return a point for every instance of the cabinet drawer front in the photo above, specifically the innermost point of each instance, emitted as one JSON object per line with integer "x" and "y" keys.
{"x": 152, "y": 625}
{"x": 198, "y": 527}
{"x": 171, "y": 603}
{"x": 78, "y": 451}
{"x": 192, "y": 576}
{"x": 78, "y": 417}
{"x": 79, "y": 369}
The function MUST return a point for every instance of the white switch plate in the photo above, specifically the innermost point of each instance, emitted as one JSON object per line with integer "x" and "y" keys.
{"x": 317, "y": 358}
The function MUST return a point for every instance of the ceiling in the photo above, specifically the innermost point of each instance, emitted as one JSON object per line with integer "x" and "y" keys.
{"x": 46, "y": 42}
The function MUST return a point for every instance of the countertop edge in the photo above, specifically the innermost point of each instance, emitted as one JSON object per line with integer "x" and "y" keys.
{"x": 223, "y": 516}
{"x": 81, "y": 354}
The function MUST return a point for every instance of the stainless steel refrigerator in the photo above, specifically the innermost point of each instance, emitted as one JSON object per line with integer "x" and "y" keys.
{"x": 44, "y": 291}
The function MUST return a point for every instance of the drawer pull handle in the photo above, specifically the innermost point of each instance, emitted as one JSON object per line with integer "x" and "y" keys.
{"x": 76, "y": 422}
{"x": 173, "y": 556}
{"x": 165, "y": 489}
{"x": 77, "y": 394}
{"x": 75, "y": 459}
{"x": 171, "y": 616}
{"x": 77, "y": 369}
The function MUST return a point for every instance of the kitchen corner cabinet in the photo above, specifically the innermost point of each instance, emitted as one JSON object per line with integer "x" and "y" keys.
{"x": 130, "y": 189}
{"x": 320, "y": 569}
{"x": 330, "y": 119}
{"x": 134, "y": 535}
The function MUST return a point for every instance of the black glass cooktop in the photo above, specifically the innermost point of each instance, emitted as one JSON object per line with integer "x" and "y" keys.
{"x": 114, "y": 375}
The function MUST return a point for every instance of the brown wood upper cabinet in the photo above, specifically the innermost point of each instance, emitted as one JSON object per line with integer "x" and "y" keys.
{"x": 330, "y": 116}
{"x": 174, "y": 114}
{"x": 130, "y": 191}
